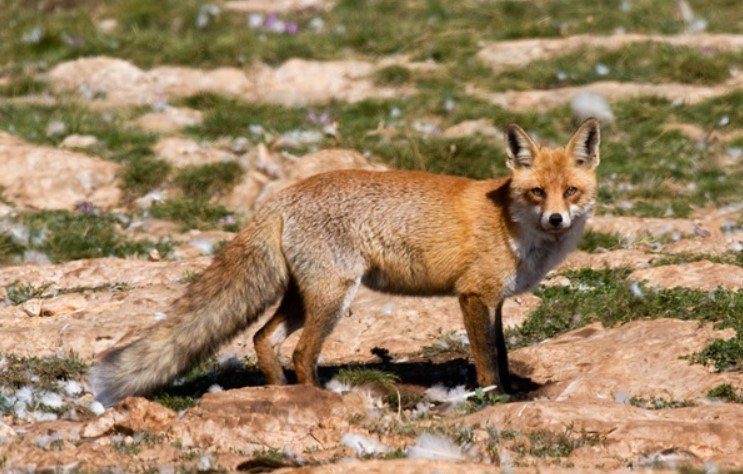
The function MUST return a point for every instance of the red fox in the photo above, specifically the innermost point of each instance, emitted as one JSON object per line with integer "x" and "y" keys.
{"x": 407, "y": 232}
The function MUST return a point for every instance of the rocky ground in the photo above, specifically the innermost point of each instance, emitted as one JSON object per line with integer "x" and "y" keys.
{"x": 137, "y": 138}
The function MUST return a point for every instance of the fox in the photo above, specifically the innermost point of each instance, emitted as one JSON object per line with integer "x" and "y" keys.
{"x": 312, "y": 245}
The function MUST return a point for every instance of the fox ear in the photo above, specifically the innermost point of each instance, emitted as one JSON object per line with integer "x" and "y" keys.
{"x": 584, "y": 145}
{"x": 520, "y": 148}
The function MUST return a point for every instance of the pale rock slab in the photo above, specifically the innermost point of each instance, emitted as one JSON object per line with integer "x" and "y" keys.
{"x": 40, "y": 177}
{"x": 702, "y": 275}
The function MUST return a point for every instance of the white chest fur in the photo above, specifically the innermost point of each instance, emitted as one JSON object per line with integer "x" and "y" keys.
{"x": 537, "y": 253}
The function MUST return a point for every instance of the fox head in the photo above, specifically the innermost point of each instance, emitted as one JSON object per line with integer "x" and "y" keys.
{"x": 552, "y": 189}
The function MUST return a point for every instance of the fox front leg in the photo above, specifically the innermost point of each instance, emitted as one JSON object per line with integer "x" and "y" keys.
{"x": 486, "y": 341}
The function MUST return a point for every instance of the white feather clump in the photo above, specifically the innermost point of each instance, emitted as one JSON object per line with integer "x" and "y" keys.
{"x": 363, "y": 444}
{"x": 97, "y": 408}
{"x": 71, "y": 387}
{"x": 421, "y": 409}
{"x": 51, "y": 400}
{"x": 589, "y": 104}
{"x": 430, "y": 446}
{"x": 439, "y": 393}
{"x": 338, "y": 387}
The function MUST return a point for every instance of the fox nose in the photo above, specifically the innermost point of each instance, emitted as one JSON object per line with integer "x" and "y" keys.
{"x": 555, "y": 219}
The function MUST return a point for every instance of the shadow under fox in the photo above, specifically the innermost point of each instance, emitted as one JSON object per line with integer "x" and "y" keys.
{"x": 409, "y": 232}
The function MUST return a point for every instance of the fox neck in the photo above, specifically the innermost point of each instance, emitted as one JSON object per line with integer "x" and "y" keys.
{"x": 537, "y": 252}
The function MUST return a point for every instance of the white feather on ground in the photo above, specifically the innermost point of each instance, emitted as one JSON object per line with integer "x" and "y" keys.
{"x": 430, "y": 446}
{"x": 51, "y": 400}
{"x": 338, "y": 387}
{"x": 439, "y": 393}
{"x": 363, "y": 444}
{"x": 589, "y": 104}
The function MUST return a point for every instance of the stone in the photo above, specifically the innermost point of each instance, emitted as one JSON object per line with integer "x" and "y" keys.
{"x": 702, "y": 276}
{"x": 274, "y": 6}
{"x": 625, "y": 434}
{"x": 169, "y": 120}
{"x": 78, "y": 141}
{"x": 611, "y": 259}
{"x": 469, "y": 128}
{"x": 40, "y": 177}
{"x": 182, "y": 152}
{"x": 293, "y": 417}
{"x": 641, "y": 358}
{"x": 519, "y": 53}
{"x": 530, "y": 100}
{"x": 297, "y": 82}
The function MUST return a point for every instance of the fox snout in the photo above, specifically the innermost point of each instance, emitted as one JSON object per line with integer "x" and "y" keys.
{"x": 555, "y": 221}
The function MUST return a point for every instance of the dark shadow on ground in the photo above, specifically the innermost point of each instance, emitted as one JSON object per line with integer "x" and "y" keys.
{"x": 446, "y": 370}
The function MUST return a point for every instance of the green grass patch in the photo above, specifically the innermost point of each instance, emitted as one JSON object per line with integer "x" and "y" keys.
{"x": 638, "y": 157}
{"x": 40, "y": 371}
{"x": 176, "y": 402}
{"x": 639, "y": 62}
{"x": 359, "y": 377}
{"x": 204, "y": 181}
{"x": 188, "y": 32}
{"x": 607, "y": 296}
{"x": 20, "y": 85}
{"x": 723, "y": 355}
{"x": 191, "y": 213}
{"x": 654, "y": 403}
{"x": 116, "y": 140}
{"x": 599, "y": 241}
{"x": 725, "y": 392}
{"x": 640, "y": 161}
{"x": 231, "y": 117}
{"x": 547, "y": 444}
{"x": 143, "y": 173}
{"x": 64, "y": 236}
{"x": 10, "y": 251}
{"x": 17, "y": 292}
{"x": 394, "y": 75}
{"x": 731, "y": 258}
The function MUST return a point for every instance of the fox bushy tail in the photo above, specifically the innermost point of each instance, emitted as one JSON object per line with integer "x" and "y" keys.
{"x": 248, "y": 275}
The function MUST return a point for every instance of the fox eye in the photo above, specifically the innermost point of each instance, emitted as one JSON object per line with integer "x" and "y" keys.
{"x": 538, "y": 192}
{"x": 570, "y": 191}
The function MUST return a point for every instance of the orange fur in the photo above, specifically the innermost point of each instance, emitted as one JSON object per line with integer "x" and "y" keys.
{"x": 398, "y": 231}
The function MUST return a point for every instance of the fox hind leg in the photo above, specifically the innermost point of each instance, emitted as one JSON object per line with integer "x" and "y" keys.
{"x": 325, "y": 304}
{"x": 288, "y": 318}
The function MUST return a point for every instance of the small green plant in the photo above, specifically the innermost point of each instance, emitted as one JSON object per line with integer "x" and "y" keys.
{"x": 141, "y": 174}
{"x": 190, "y": 277}
{"x": 21, "y": 85}
{"x": 545, "y": 444}
{"x": 44, "y": 372}
{"x": 203, "y": 181}
{"x": 358, "y": 377}
{"x": 394, "y": 75}
{"x": 74, "y": 236}
{"x": 483, "y": 399}
{"x": 9, "y": 250}
{"x": 191, "y": 213}
{"x": 594, "y": 241}
{"x": 654, "y": 403}
{"x": 724, "y": 355}
{"x": 18, "y": 293}
{"x": 175, "y": 402}
{"x": 607, "y": 296}
{"x": 726, "y": 392}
